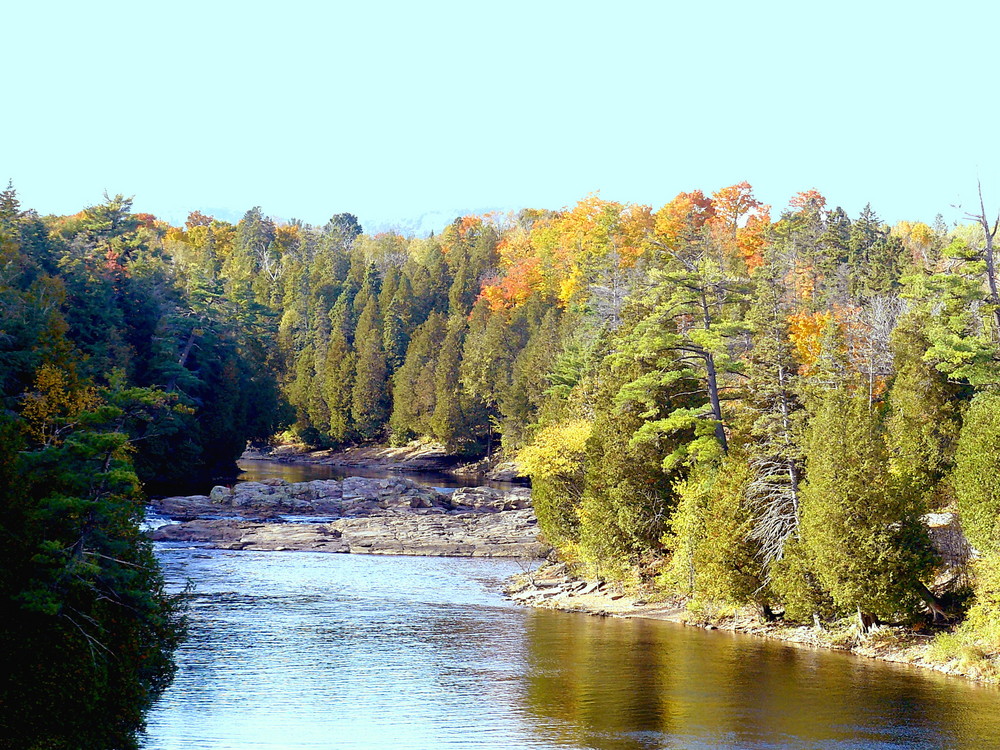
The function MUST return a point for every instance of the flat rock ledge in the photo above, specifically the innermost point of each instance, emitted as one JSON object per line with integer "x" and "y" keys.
{"x": 393, "y": 516}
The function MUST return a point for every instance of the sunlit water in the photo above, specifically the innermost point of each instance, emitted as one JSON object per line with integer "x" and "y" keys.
{"x": 307, "y": 650}
{"x": 254, "y": 470}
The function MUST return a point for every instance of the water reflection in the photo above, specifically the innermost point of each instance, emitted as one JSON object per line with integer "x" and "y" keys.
{"x": 254, "y": 470}
{"x": 631, "y": 685}
{"x": 302, "y": 650}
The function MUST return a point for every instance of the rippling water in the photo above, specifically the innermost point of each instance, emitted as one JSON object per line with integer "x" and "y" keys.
{"x": 306, "y": 650}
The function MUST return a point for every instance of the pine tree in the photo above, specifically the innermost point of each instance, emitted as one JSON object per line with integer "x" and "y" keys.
{"x": 414, "y": 394}
{"x": 876, "y": 258}
{"x": 398, "y": 316}
{"x": 774, "y": 417}
{"x": 977, "y": 464}
{"x": 448, "y": 422}
{"x": 81, "y": 592}
{"x": 628, "y": 496}
{"x": 370, "y": 397}
{"x": 339, "y": 377}
{"x": 712, "y": 559}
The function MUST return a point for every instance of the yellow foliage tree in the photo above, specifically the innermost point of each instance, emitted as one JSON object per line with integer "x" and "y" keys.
{"x": 555, "y": 462}
{"x": 52, "y": 407}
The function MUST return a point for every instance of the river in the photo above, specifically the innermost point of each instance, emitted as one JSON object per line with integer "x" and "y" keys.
{"x": 254, "y": 470}
{"x": 309, "y": 650}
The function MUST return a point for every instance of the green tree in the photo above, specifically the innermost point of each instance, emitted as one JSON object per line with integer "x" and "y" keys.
{"x": 398, "y": 324}
{"x": 977, "y": 465}
{"x": 713, "y": 560}
{"x": 414, "y": 395}
{"x": 922, "y": 425}
{"x": 876, "y": 258}
{"x": 774, "y": 416}
{"x": 860, "y": 529}
{"x": 449, "y": 421}
{"x": 339, "y": 376}
{"x": 370, "y": 407}
{"x": 555, "y": 462}
{"x": 88, "y": 630}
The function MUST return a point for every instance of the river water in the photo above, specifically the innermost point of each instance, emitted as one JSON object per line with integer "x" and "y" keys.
{"x": 254, "y": 470}
{"x": 310, "y": 650}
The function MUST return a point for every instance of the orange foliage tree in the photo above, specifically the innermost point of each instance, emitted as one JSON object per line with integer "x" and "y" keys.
{"x": 805, "y": 331}
{"x": 558, "y": 255}
{"x": 740, "y": 223}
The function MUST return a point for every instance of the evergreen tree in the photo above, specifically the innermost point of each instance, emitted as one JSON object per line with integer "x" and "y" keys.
{"x": 370, "y": 396}
{"x": 88, "y": 631}
{"x": 448, "y": 422}
{"x": 922, "y": 426}
{"x": 977, "y": 466}
{"x": 775, "y": 418}
{"x": 398, "y": 324}
{"x": 339, "y": 377}
{"x": 414, "y": 394}
{"x": 712, "y": 558}
{"x": 860, "y": 529}
{"x": 876, "y": 258}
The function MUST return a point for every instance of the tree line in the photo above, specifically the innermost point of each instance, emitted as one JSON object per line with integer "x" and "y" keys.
{"x": 114, "y": 375}
{"x": 746, "y": 409}
{"x": 741, "y": 409}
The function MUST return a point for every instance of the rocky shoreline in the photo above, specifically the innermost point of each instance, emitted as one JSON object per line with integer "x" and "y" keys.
{"x": 552, "y": 586}
{"x": 390, "y": 516}
{"x": 397, "y": 516}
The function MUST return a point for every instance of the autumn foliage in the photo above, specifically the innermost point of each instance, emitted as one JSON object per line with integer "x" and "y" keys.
{"x": 555, "y": 253}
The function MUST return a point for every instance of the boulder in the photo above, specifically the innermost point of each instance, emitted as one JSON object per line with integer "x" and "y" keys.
{"x": 948, "y": 540}
{"x": 220, "y": 494}
{"x": 488, "y": 498}
{"x": 385, "y": 516}
{"x": 506, "y": 471}
{"x": 390, "y": 492}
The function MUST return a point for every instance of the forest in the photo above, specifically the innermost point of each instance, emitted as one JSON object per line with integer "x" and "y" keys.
{"x": 738, "y": 408}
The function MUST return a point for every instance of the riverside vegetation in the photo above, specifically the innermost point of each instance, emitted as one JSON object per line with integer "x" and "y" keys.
{"x": 723, "y": 407}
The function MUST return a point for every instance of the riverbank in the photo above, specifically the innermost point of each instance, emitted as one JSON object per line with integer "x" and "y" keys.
{"x": 553, "y": 587}
{"x": 417, "y": 456}
{"x": 360, "y": 515}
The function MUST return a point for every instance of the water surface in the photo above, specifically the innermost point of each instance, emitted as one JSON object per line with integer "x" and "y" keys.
{"x": 256, "y": 469}
{"x": 307, "y": 650}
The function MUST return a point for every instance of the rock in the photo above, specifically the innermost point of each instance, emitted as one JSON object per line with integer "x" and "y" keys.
{"x": 185, "y": 507}
{"x": 374, "y": 516}
{"x": 201, "y": 530}
{"x": 220, "y": 494}
{"x": 506, "y": 471}
{"x": 505, "y": 534}
{"x": 546, "y": 583}
{"x": 949, "y": 542}
{"x": 489, "y": 498}
{"x": 391, "y": 492}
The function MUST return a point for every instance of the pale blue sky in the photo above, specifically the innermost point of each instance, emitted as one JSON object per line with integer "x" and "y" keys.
{"x": 394, "y": 110}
